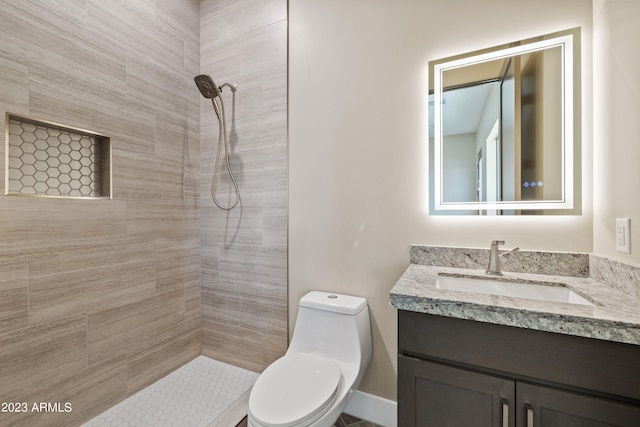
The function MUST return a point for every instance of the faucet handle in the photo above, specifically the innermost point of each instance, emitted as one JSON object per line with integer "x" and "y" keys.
{"x": 497, "y": 242}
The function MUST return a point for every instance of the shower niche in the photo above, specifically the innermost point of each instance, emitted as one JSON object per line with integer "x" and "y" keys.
{"x": 51, "y": 160}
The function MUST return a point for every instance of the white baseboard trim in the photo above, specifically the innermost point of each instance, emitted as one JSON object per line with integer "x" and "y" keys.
{"x": 373, "y": 408}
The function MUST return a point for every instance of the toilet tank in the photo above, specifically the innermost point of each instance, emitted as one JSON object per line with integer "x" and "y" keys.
{"x": 333, "y": 325}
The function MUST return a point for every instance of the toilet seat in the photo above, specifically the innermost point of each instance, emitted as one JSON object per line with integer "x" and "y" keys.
{"x": 296, "y": 389}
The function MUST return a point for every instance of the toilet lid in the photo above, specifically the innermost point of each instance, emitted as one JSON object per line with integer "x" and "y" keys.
{"x": 293, "y": 389}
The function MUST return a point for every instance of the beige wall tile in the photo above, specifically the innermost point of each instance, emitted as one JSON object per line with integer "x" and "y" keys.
{"x": 34, "y": 209}
{"x": 140, "y": 177}
{"x": 94, "y": 280}
{"x": 246, "y": 15}
{"x": 151, "y": 85}
{"x": 230, "y": 343}
{"x": 133, "y": 24}
{"x": 89, "y": 391}
{"x": 254, "y": 51}
{"x": 183, "y": 20}
{"x": 36, "y": 355}
{"x": 263, "y": 314}
{"x": 267, "y": 187}
{"x": 14, "y": 86}
{"x": 178, "y": 268}
{"x": 26, "y": 240}
{"x": 14, "y": 296}
{"x": 110, "y": 291}
{"x": 134, "y": 326}
{"x": 221, "y": 306}
{"x": 174, "y": 137}
{"x": 209, "y": 259}
{"x": 83, "y": 101}
{"x": 275, "y": 221}
{"x": 168, "y": 219}
{"x": 259, "y": 271}
{"x": 274, "y": 345}
{"x": 244, "y": 252}
{"x": 193, "y": 306}
{"x": 237, "y": 226}
{"x": 63, "y": 286}
{"x": 162, "y": 357}
{"x": 35, "y": 34}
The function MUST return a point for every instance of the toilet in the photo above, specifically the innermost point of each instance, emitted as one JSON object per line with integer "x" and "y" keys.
{"x": 312, "y": 383}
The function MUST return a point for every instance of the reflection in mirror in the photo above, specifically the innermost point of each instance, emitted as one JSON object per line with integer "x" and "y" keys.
{"x": 503, "y": 128}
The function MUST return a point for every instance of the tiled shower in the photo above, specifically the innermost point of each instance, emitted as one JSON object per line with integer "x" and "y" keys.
{"x": 244, "y": 251}
{"x": 101, "y": 297}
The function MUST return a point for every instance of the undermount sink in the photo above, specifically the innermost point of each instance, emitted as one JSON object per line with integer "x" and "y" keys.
{"x": 553, "y": 292}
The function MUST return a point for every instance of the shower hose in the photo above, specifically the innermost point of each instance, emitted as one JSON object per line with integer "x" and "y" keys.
{"x": 222, "y": 140}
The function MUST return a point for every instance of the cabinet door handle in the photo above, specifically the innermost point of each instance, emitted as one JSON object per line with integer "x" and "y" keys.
{"x": 505, "y": 413}
{"x": 529, "y": 415}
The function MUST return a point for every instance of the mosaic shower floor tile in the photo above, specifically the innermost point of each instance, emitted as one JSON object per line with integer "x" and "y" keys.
{"x": 191, "y": 396}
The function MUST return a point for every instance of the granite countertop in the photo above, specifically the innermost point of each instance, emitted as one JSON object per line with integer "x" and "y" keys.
{"x": 615, "y": 316}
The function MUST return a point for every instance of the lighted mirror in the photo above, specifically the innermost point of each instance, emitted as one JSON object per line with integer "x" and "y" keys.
{"x": 505, "y": 127}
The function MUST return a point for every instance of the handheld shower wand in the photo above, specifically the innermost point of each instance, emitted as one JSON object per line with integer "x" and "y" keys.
{"x": 210, "y": 90}
{"x": 207, "y": 87}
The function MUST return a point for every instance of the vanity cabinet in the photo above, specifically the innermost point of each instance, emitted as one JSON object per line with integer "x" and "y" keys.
{"x": 433, "y": 394}
{"x": 463, "y": 373}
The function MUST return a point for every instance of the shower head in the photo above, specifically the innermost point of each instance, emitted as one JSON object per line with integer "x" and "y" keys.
{"x": 207, "y": 87}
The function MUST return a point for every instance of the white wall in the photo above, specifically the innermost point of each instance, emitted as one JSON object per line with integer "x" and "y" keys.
{"x": 358, "y": 140}
{"x": 616, "y": 109}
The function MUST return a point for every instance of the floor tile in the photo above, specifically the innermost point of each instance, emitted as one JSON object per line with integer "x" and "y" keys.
{"x": 193, "y": 395}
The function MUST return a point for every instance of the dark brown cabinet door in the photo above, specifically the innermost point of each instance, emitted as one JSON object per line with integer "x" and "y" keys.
{"x": 435, "y": 395}
{"x": 540, "y": 406}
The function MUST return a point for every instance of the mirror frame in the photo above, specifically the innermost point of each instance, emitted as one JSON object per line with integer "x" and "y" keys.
{"x": 564, "y": 40}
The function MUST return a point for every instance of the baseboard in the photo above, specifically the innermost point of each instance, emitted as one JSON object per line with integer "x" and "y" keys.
{"x": 373, "y": 408}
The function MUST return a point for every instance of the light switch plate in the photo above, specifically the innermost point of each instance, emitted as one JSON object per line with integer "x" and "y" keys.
{"x": 623, "y": 235}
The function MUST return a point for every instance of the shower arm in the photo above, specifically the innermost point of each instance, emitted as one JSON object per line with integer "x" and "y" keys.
{"x": 232, "y": 87}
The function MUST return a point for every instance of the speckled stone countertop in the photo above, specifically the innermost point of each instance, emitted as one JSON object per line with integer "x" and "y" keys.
{"x": 615, "y": 315}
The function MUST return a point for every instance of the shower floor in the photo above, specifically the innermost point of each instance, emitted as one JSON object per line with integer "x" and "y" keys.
{"x": 202, "y": 393}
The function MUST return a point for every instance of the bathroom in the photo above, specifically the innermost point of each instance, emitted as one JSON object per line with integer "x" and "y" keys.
{"x": 100, "y": 298}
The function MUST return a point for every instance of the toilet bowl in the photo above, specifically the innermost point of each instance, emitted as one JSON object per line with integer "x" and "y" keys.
{"x": 312, "y": 383}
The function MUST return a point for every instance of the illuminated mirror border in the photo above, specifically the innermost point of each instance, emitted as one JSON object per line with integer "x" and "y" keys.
{"x": 566, "y": 202}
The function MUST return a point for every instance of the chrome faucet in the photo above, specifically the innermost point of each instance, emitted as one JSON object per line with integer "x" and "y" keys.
{"x": 495, "y": 258}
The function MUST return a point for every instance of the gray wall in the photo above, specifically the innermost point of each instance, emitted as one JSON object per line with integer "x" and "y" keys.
{"x": 244, "y": 251}
{"x": 99, "y": 298}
